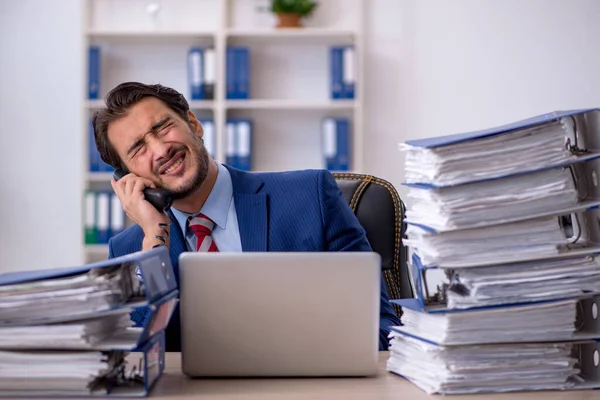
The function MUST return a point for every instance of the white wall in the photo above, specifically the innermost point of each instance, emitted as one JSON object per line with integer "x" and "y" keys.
{"x": 439, "y": 67}
{"x": 41, "y": 85}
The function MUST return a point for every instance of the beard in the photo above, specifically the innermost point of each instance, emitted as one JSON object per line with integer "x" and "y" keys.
{"x": 200, "y": 157}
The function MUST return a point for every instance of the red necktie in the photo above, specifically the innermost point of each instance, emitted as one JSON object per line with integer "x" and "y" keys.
{"x": 202, "y": 227}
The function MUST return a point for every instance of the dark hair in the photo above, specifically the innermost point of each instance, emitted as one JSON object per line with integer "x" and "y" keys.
{"x": 118, "y": 103}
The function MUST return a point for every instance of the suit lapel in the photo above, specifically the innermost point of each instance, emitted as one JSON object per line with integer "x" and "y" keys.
{"x": 251, "y": 209}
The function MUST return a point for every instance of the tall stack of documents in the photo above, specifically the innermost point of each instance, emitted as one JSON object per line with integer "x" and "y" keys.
{"x": 68, "y": 332}
{"x": 510, "y": 216}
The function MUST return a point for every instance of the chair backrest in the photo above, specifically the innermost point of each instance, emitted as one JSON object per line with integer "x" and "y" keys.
{"x": 380, "y": 211}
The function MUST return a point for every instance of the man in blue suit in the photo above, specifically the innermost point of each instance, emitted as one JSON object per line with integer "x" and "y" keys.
{"x": 150, "y": 132}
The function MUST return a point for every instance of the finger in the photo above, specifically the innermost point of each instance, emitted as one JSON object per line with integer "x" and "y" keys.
{"x": 148, "y": 183}
{"x": 139, "y": 186}
{"x": 117, "y": 188}
{"x": 129, "y": 185}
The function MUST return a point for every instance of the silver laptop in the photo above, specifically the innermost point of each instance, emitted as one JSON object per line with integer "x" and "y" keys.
{"x": 269, "y": 314}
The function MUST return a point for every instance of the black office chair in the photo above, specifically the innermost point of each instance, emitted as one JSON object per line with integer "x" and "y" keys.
{"x": 380, "y": 211}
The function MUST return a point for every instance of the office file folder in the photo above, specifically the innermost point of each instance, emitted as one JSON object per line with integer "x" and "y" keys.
{"x": 60, "y": 325}
{"x": 521, "y": 281}
{"x": 64, "y": 285}
{"x": 551, "y": 140}
{"x": 504, "y": 241}
{"x": 515, "y": 198}
{"x": 506, "y": 367}
{"x": 196, "y": 73}
{"x": 70, "y": 374}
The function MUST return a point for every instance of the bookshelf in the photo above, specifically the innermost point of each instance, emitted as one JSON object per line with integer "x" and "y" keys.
{"x": 148, "y": 41}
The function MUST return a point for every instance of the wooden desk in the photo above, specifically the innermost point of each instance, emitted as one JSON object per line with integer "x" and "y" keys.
{"x": 174, "y": 385}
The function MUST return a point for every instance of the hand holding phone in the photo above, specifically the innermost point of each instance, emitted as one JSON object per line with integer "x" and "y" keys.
{"x": 161, "y": 199}
{"x": 145, "y": 205}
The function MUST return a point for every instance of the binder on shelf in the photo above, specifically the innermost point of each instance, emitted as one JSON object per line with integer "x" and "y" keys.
{"x": 210, "y": 73}
{"x": 117, "y": 215}
{"x": 90, "y": 210}
{"x": 94, "y": 72}
{"x": 243, "y": 140}
{"x": 231, "y": 143}
{"x": 336, "y": 72}
{"x": 196, "y": 73}
{"x": 238, "y": 72}
{"x": 342, "y": 72}
{"x": 93, "y": 154}
{"x": 349, "y": 72}
{"x": 230, "y": 75}
{"x": 335, "y": 149}
{"x": 53, "y": 303}
{"x": 208, "y": 126}
{"x": 96, "y": 164}
{"x": 343, "y": 144}
{"x": 243, "y": 72}
{"x": 103, "y": 216}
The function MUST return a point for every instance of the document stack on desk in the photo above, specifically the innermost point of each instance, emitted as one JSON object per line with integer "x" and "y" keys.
{"x": 68, "y": 332}
{"x": 510, "y": 215}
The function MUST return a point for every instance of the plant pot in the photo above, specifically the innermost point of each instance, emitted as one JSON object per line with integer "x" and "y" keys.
{"x": 286, "y": 20}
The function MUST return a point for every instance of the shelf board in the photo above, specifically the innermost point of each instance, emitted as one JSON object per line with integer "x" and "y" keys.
{"x": 291, "y": 33}
{"x": 99, "y": 177}
{"x": 202, "y": 104}
{"x": 194, "y": 104}
{"x": 98, "y": 34}
{"x": 290, "y": 104}
{"x": 96, "y": 249}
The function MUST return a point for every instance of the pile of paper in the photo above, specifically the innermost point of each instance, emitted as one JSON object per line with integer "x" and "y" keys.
{"x": 502, "y": 243}
{"x": 511, "y": 153}
{"x": 492, "y": 202}
{"x": 68, "y": 332}
{"x": 532, "y": 322}
{"x": 489, "y": 209}
{"x": 52, "y": 373}
{"x": 483, "y": 368}
{"x": 523, "y": 282}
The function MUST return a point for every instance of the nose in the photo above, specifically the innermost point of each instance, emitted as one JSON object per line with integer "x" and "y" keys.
{"x": 160, "y": 150}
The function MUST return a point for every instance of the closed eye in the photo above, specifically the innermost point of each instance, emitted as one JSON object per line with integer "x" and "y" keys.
{"x": 135, "y": 147}
{"x": 165, "y": 128}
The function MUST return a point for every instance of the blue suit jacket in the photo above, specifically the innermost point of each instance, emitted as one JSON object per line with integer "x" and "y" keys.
{"x": 282, "y": 211}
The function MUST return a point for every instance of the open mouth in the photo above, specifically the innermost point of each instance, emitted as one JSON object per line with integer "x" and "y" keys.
{"x": 174, "y": 165}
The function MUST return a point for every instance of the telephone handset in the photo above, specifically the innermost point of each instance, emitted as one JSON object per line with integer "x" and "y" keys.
{"x": 161, "y": 199}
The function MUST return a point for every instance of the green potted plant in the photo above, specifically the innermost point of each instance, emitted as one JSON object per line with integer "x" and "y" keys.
{"x": 291, "y": 12}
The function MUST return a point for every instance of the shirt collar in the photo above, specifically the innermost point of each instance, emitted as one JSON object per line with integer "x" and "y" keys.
{"x": 217, "y": 204}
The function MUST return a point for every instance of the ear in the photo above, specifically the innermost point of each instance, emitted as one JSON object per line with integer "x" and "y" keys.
{"x": 195, "y": 124}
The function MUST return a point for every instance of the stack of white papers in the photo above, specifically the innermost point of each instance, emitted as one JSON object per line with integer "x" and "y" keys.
{"x": 523, "y": 282}
{"x": 65, "y": 335}
{"x": 489, "y": 157}
{"x": 97, "y": 290}
{"x": 492, "y": 202}
{"x": 483, "y": 368}
{"x": 47, "y": 373}
{"x": 501, "y": 243}
{"x": 549, "y": 321}
{"x": 80, "y": 334}
{"x": 509, "y": 216}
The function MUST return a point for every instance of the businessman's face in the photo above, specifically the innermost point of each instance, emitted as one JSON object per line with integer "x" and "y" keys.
{"x": 156, "y": 143}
